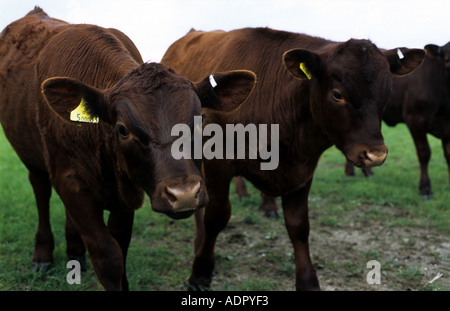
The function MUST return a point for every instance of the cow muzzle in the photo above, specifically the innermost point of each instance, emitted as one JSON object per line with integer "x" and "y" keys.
{"x": 365, "y": 157}
{"x": 180, "y": 197}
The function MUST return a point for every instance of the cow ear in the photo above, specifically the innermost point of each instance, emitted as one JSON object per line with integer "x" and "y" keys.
{"x": 434, "y": 50}
{"x": 74, "y": 101}
{"x": 403, "y": 60}
{"x": 302, "y": 64}
{"x": 226, "y": 91}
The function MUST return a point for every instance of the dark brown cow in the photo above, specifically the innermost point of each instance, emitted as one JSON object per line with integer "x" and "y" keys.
{"x": 319, "y": 92}
{"x": 421, "y": 101}
{"x": 107, "y": 165}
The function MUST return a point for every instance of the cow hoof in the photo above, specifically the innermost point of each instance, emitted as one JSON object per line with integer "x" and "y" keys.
{"x": 427, "y": 197}
{"x": 197, "y": 284}
{"x": 81, "y": 259}
{"x": 192, "y": 288}
{"x": 198, "y": 288}
{"x": 41, "y": 266}
{"x": 273, "y": 214}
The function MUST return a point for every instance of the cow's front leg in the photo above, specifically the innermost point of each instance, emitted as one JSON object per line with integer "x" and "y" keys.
{"x": 295, "y": 211}
{"x": 75, "y": 246}
{"x": 208, "y": 226}
{"x": 120, "y": 224}
{"x": 104, "y": 251}
{"x": 44, "y": 243}
{"x": 419, "y": 134}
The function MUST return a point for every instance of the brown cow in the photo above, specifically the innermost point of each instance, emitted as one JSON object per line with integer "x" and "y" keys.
{"x": 421, "y": 101}
{"x": 123, "y": 147}
{"x": 319, "y": 92}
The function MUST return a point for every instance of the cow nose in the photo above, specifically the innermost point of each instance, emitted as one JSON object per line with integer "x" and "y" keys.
{"x": 185, "y": 197}
{"x": 374, "y": 157}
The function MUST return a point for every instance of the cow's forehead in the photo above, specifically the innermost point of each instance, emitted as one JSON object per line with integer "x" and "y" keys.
{"x": 163, "y": 104}
{"x": 152, "y": 83}
{"x": 150, "y": 76}
{"x": 358, "y": 61}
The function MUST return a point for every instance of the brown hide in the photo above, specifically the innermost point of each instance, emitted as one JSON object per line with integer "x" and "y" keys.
{"x": 319, "y": 92}
{"x": 47, "y": 69}
{"x": 420, "y": 100}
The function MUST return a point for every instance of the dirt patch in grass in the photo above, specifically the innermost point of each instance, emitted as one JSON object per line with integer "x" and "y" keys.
{"x": 258, "y": 255}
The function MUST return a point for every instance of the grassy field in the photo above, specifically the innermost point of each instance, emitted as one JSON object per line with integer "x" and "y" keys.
{"x": 353, "y": 220}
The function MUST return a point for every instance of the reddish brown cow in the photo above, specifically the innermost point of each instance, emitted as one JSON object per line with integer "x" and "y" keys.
{"x": 421, "y": 101}
{"x": 319, "y": 92}
{"x": 107, "y": 165}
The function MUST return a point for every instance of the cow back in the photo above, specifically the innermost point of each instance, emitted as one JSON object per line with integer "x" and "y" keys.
{"x": 20, "y": 44}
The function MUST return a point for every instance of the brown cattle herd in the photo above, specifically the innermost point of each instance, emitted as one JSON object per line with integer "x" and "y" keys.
{"x": 90, "y": 119}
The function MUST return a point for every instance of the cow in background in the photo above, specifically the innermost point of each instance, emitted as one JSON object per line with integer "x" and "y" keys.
{"x": 54, "y": 75}
{"x": 421, "y": 100}
{"x": 321, "y": 93}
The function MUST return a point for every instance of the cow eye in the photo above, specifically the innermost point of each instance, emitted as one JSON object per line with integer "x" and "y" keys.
{"x": 337, "y": 96}
{"x": 123, "y": 132}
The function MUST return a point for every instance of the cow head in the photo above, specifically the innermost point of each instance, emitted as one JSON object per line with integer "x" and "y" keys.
{"x": 138, "y": 113}
{"x": 349, "y": 86}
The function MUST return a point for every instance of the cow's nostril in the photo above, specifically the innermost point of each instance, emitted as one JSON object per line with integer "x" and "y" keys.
{"x": 184, "y": 197}
{"x": 196, "y": 190}
{"x": 363, "y": 156}
{"x": 370, "y": 159}
{"x": 197, "y": 196}
{"x": 376, "y": 158}
{"x": 171, "y": 196}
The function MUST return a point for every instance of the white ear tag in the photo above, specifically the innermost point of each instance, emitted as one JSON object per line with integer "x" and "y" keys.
{"x": 212, "y": 81}
{"x": 400, "y": 54}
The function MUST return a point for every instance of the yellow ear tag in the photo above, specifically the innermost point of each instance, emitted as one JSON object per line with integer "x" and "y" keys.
{"x": 80, "y": 114}
{"x": 305, "y": 70}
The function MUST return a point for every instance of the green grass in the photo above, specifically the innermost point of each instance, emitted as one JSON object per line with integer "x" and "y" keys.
{"x": 395, "y": 183}
{"x": 253, "y": 252}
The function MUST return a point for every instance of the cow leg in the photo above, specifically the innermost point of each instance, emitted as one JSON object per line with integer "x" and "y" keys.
{"x": 104, "y": 251}
{"x": 269, "y": 205}
{"x": 367, "y": 172}
{"x": 75, "y": 247}
{"x": 295, "y": 210}
{"x": 120, "y": 224}
{"x": 349, "y": 168}
{"x": 216, "y": 216}
{"x": 44, "y": 242}
{"x": 199, "y": 230}
{"x": 446, "y": 147}
{"x": 423, "y": 150}
{"x": 240, "y": 187}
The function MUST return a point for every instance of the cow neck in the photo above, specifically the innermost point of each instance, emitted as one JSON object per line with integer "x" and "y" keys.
{"x": 289, "y": 106}
{"x": 121, "y": 65}
{"x": 303, "y": 133}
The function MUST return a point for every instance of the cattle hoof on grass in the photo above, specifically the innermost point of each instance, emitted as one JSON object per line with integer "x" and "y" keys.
{"x": 427, "y": 197}
{"x": 368, "y": 172}
{"x": 273, "y": 214}
{"x": 41, "y": 266}
{"x": 198, "y": 288}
